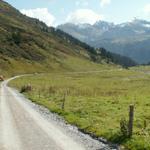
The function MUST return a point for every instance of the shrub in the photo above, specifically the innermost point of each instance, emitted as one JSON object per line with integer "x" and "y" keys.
{"x": 26, "y": 88}
{"x": 16, "y": 37}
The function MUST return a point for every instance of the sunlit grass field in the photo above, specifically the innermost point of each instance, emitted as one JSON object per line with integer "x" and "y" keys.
{"x": 97, "y": 101}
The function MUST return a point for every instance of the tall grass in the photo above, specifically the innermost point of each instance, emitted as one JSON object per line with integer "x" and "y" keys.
{"x": 96, "y": 102}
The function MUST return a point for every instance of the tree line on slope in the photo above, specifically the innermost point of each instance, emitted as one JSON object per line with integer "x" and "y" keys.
{"x": 97, "y": 54}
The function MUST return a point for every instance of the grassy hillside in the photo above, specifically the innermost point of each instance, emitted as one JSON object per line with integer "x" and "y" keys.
{"x": 28, "y": 45}
{"x": 97, "y": 101}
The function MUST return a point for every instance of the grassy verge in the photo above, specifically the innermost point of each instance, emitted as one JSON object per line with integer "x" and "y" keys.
{"x": 96, "y": 102}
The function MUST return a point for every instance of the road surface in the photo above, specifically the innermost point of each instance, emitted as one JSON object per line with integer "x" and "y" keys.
{"x": 23, "y": 128}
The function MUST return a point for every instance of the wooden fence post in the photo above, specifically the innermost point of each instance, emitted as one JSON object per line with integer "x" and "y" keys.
{"x": 63, "y": 102}
{"x": 131, "y": 119}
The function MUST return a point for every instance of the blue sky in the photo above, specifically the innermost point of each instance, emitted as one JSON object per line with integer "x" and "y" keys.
{"x": 54, "y": 12}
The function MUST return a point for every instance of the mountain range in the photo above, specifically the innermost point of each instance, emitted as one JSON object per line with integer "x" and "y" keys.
{"x": 131, "y": 39}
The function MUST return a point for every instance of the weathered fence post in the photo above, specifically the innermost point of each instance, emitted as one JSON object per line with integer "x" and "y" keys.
{"x": 63, "y": 102}
{"x": 131, "y": 119}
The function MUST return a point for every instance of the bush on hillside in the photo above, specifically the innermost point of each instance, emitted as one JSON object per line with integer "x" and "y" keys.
{"x": 16, "y": 37}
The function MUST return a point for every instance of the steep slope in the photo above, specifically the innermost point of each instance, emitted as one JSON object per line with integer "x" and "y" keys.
{"x": 28, "y": 45}
{"x": 130, "y": 39}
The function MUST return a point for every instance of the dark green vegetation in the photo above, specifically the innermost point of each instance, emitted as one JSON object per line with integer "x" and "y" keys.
{"x": 97, "y": 102}
{"x": 28, "y": 45}
{"x": 131, "y": 39}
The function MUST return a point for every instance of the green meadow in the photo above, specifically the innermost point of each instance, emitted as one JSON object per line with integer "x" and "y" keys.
{"x": 96, "y": 101}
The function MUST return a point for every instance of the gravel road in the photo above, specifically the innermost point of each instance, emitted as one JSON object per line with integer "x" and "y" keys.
{"x": 27, "y": 126}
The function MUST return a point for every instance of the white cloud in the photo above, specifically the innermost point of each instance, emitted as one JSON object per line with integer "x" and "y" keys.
{"x": 147, "y": 9}
{"x": 104, "y": 2}
{"x": 40, "y": 13}
{"x": 84, "y": 16}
